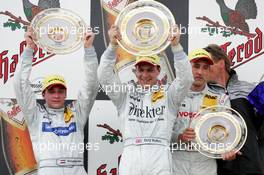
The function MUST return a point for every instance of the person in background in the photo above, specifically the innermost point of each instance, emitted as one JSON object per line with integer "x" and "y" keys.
{"x": 251, "y": 161}
{"x": 186, "y": 158}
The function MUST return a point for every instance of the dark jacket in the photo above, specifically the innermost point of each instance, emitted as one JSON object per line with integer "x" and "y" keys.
{"x": 251, "y": 161}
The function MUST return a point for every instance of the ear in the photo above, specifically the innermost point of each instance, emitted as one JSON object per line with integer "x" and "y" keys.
{"x": 43, "y": 93}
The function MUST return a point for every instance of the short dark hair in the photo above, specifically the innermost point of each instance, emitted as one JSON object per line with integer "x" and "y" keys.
{"x": 218, "y": 54}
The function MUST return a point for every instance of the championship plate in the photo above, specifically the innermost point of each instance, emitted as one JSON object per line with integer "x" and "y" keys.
{"x": 219, "y": 129}
{"x": 145, "y": 27}
{"x": 58, "y": 30}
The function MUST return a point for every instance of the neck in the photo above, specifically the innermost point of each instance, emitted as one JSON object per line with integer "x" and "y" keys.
{"x": 222, "y": 80}
{"x": 196, "y": 88}
{"x": 54, "y": 108}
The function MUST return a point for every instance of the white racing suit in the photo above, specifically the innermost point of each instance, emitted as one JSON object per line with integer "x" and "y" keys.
{"x": 58, "y": 145}
{"x": 147, "y": 117}
{"x": 187, "y": 160}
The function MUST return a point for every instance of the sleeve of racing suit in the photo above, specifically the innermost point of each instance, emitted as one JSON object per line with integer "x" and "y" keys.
{"x": 182, "y": 83}
{"x": 23, "y": 91}
{"x": 89, "y": 88}
{"x": 177, "y": 130}
{"x": 108, "y": 78}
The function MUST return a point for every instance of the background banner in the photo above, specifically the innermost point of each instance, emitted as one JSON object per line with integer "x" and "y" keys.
{"x": 237, "y": 26}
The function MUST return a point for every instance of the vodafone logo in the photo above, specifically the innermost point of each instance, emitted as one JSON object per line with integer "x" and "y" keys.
{"x": 187, "y": 114}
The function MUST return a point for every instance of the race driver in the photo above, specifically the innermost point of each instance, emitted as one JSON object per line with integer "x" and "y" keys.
{"x": 186, "y": 158}
{"x": 146, "y": 109}
{"x": 56, "y": 131}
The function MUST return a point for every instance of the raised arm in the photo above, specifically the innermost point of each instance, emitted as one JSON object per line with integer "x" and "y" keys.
{"x": 108, "y": 78}
{"x": 23, "y": 91}
{"x": 89, "y": 88}
{"x": 184, "y": 78}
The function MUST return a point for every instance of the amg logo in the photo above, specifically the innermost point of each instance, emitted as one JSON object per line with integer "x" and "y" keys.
{"x": 148, "y": 112}
{"x": 210, "y": 96}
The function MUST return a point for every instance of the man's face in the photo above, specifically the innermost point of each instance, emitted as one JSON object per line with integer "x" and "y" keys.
{"x": 55, "y": 96}
{"x": 200, "y": 70}
{"x": 147, "y": 74}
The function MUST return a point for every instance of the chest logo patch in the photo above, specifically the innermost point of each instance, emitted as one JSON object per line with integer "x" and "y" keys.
{"x": 59, "y": 131}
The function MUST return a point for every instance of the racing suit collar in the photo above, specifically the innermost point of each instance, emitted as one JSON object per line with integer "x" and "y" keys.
{"x": 232, "y": 77}
{"x": 217, "y": 87}
{"x": 53, "y": 110}
{"x": 194, "y": 93}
